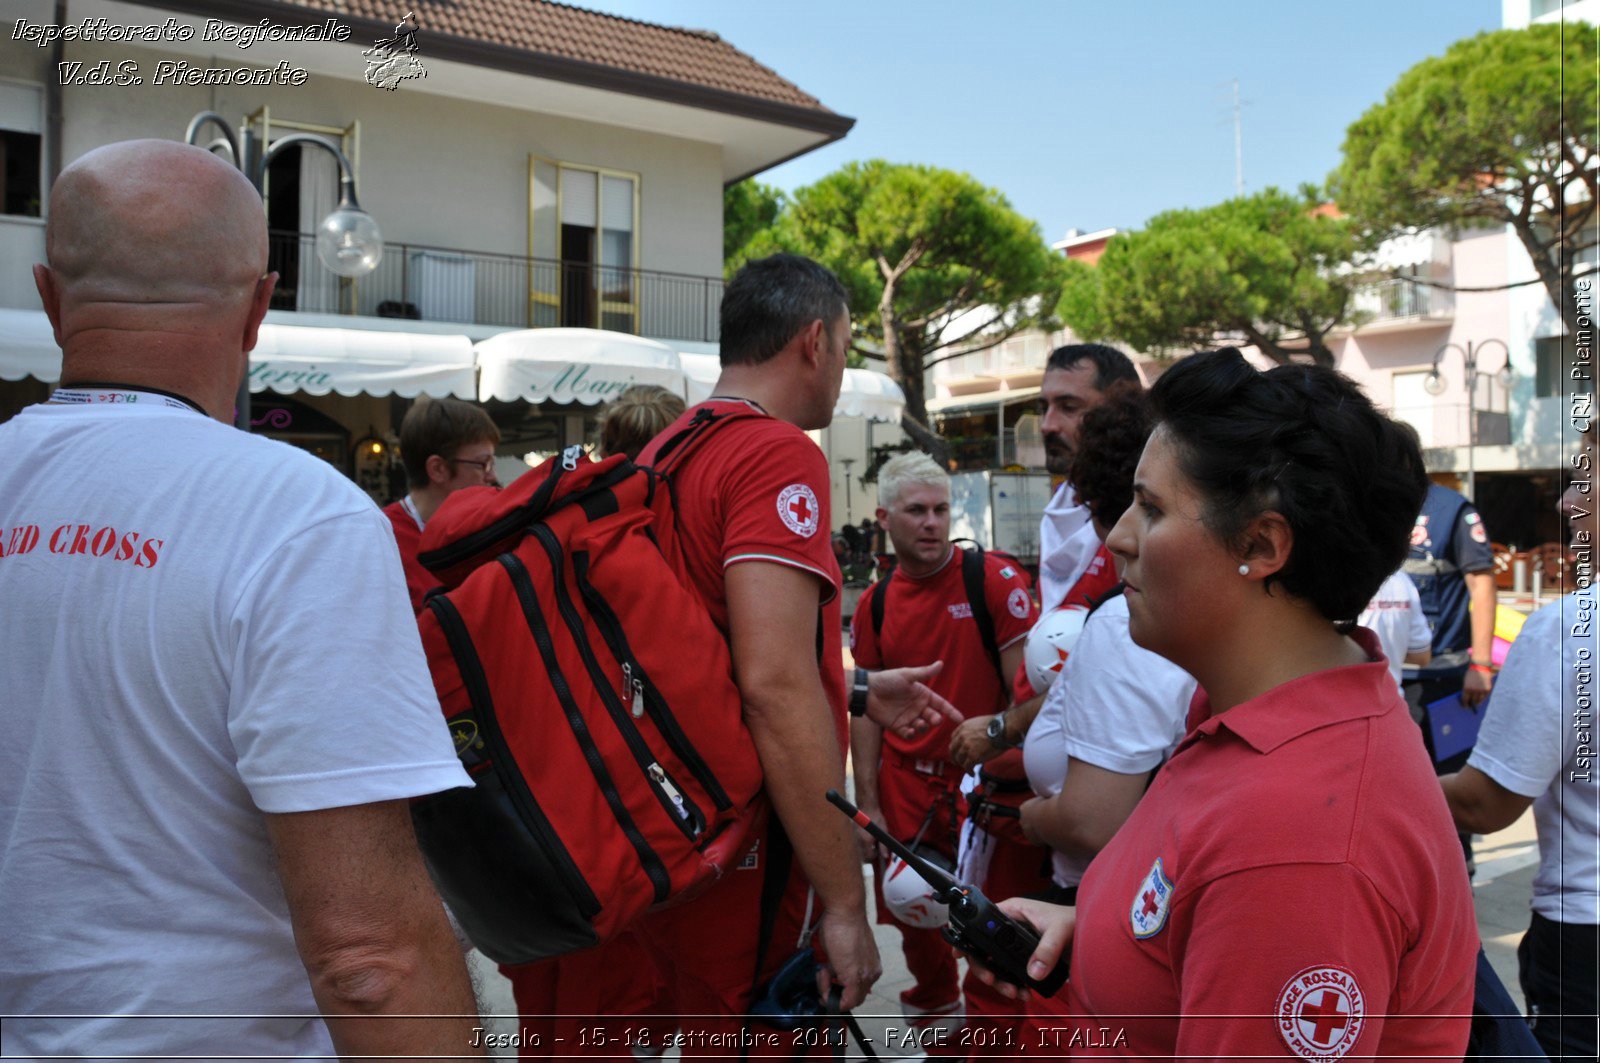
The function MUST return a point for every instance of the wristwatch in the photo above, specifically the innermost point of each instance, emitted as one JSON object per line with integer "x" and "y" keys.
{"x": 858, "y": 692}
{"x": 996, "y": 731}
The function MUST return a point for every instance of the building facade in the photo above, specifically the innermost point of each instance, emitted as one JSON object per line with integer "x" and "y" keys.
{"x": 540, "y": 166}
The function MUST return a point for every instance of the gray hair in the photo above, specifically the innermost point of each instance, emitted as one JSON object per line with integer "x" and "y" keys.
{"x": 906, "y": 470}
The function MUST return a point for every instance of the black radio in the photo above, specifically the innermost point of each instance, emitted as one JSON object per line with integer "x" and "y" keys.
{"x": 977, "y": 927}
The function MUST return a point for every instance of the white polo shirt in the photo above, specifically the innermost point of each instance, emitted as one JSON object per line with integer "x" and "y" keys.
{"x": 1537, "y": 740}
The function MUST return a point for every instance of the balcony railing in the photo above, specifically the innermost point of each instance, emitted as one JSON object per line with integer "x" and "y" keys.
{"x": 482, "y": 288}
{"x": 1399, "y": 299}
{"x": 1445, "y": 424}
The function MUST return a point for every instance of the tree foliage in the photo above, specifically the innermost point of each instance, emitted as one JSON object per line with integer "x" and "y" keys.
{"x": 1271, "y": 268}
{"x": 749, "y": 208}
{"x": 934, "y": 261}
{"x": 1501, "y": 128}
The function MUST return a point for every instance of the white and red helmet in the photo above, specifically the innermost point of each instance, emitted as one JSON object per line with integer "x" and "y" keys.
{"x": 1050, "y": 642}
{"x": 908, "y": 894}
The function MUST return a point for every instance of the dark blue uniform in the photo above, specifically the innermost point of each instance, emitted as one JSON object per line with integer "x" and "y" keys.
{"x": 1448, "y": 541}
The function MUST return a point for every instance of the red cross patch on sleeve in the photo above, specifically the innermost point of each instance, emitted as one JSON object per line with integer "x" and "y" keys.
{"x": 1320, "y": 1013}
{"x": 798, "y": 509}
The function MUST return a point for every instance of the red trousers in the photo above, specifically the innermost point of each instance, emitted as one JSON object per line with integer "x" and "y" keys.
{"x": 915, "y": 801}
{"x": 706, "y": 949}
{"x": 612, "y": 989}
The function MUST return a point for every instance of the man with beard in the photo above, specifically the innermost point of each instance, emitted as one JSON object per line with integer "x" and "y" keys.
{"x": 1074, "y": 569}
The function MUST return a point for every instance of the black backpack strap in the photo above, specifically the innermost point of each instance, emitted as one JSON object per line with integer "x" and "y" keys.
{"x": 847, "y": 1025}
{"x": 1114, "y": 592}
{"x": 879, "y": 592}
{"x": 774, "y": 884}
{"x": 677, "y": 448}
{"x": 972, "y": 578}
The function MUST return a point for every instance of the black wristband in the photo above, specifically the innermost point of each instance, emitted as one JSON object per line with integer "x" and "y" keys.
{"x": 858, "y": 692}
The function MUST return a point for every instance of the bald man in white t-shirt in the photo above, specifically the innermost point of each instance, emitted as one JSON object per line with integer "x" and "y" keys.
{"x": 217, "y": 707}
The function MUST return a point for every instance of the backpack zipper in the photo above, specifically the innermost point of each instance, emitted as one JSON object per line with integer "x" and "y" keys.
{"x": 477, "y": 684}
{"x": 523, "y": 585}
{"x": 634, "y": 674}
{"x": 674, "y": 803}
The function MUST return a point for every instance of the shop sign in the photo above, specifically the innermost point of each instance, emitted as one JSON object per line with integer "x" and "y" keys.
{"x": 584, "y": 383}
{"x": 266, "y": 375}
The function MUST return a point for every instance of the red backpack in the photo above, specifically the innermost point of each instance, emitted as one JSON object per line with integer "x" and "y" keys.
{"x": 591, "y": 699}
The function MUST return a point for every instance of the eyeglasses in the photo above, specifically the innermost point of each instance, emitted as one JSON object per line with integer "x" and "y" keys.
{"x": 486, "y": 466}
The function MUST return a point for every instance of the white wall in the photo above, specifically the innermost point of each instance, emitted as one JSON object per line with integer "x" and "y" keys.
{"x": 1514, "y": 14}
{"x": 431, "y": 169}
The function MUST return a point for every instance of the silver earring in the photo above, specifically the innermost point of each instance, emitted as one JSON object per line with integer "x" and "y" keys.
{"x": 1244, "y": 570}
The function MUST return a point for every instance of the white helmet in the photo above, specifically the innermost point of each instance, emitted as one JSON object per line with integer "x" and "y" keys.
{"x": 908, "y": 894}
{"x": 1049, "y": 643}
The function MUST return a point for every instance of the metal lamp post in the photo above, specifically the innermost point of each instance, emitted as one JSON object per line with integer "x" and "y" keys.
{"x": 847, "y": 462}
{"x": 349, "y": 241}
{"x": 1435, "y": 385}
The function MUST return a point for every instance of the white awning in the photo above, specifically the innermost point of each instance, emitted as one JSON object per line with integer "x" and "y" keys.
{"x": 289, "y": 358}
{"x": 982, "y": 399}
{"x": 589, "y": 366}
{"x": 28, "y": 346}
{"x": 870, "y": 394}
{"x": 864, "y": 393}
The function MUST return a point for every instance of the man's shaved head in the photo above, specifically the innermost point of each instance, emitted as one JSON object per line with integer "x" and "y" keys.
{"x": 151, "y": 221}
{"x": 156, "y": 252}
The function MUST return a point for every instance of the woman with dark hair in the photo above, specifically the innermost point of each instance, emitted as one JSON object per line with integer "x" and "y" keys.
{"x": 1117, "y": 709}
{"x": 1291, "y": 880}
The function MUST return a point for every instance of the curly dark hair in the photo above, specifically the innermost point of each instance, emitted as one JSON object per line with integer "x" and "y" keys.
{"x": 1303, "y": 441}
{"x": 1111, "y": 437}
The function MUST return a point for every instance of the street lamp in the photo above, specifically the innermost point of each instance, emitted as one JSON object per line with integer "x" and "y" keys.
{"x": 349, "y": 242}
{"x": 847, "y": 462}
{"x": 1434, "y": 385}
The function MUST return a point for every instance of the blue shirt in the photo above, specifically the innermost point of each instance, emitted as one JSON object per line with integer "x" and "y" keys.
{"x": 1448, "y": 541}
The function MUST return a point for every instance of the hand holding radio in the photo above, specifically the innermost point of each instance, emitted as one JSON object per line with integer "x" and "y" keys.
{"x": 977, "y": 925}
{"x": 1055, "y": 925}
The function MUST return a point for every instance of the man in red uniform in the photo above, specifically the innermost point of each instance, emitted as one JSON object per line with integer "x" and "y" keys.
{"x": 752, "y": 540}
{"x": 445, "y": 445}
{"x": 910, "y": 787}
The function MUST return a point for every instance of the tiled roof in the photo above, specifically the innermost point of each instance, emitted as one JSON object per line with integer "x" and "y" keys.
{"x": 691, "y": 57}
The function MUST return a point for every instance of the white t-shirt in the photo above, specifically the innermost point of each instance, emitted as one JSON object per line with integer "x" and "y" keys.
{"x": 1115, "y": 705}
{"x": 1537, "y": 740}
{"x": 1395, "y": 616}
{"x": 196, "y": 626}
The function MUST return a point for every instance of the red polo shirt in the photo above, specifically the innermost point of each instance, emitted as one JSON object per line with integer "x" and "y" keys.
{"x": 1290, "y": 885}
{"x": 929, "y": 618}
{"x": 756, "y": 489}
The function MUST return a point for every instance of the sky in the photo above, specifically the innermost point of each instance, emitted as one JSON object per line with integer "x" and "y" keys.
{"x": 1086, "y": 114}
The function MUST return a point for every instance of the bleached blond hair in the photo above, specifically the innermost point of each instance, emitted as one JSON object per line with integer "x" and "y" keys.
{"x": 905, "y": 470}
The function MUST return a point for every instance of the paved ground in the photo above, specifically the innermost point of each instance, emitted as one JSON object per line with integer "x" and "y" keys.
{"x": 1506, "y": 863}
